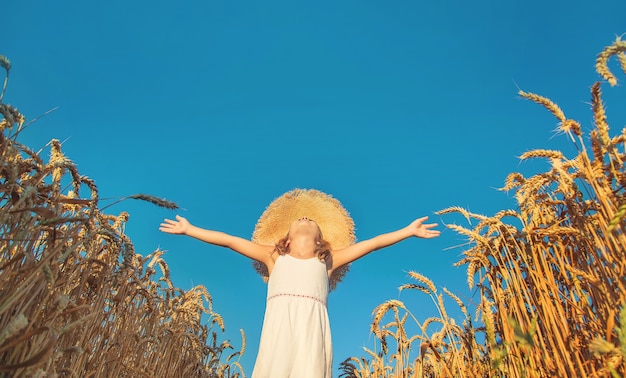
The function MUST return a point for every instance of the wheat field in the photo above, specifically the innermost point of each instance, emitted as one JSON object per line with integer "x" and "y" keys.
{"x": 77, "y": 301}
{"x": 75, "y": 298}
{"x": 550, "y": 275}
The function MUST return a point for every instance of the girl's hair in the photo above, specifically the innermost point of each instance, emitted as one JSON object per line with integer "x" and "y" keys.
{"x": 322, "y": 247}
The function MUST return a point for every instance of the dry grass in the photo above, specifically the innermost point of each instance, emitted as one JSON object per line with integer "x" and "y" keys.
{"x": 551, "y": 281}
{"x": 75, "y": 299}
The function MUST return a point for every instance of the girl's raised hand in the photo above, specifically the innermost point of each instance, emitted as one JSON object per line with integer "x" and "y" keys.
{"x": 421, "y": 230}
{"x": 180, "y": 226}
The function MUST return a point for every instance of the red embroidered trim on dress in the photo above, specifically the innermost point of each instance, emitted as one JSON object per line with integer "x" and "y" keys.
{"x": 298, "y": 296}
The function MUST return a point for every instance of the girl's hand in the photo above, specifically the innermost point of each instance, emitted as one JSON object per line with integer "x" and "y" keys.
{"x": 421, "y": 230}
{"x": 179, "y": 227}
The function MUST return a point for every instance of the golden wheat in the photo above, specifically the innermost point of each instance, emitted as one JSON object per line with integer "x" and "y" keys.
{"x": 617, "y": 48}
{"x": 551, "y": 282}
{"x": 547, "y": 103}
{"x": 68, "y": 306}
{"x": 599, "y": 115}
{"x": 548, "y": 154}
{"x": 425, "y": 280}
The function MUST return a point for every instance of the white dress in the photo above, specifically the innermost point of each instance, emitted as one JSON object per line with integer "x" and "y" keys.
{"x": 295, "y": 339}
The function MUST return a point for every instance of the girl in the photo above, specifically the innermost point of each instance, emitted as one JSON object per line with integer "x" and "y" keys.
{"x": 295, "y": 338}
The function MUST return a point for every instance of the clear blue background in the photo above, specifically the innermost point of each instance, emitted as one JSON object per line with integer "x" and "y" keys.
{"x": 396, "y": 108}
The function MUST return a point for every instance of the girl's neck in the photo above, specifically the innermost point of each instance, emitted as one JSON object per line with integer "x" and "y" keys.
{"x": 302, "y": 247}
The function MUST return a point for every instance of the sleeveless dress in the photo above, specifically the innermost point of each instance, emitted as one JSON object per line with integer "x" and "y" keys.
{"x": 295, "y": 338}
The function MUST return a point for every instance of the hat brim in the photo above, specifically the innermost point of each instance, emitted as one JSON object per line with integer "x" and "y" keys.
{"x": 333, "y": 219}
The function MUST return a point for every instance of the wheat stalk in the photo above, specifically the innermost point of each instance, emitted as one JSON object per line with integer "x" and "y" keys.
{"x": 617, "y": 48}
{"x": 547, "y": 103}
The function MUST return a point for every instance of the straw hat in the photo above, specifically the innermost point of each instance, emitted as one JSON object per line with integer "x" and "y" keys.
{"x": 334, "y": 221}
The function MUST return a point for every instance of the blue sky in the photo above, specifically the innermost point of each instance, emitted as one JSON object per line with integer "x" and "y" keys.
{"x": 398, "y": 109}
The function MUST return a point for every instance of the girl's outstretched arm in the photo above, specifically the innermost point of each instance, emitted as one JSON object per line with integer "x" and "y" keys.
{"x": 181, "y": 226}
{"x": 354, "y": 252}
